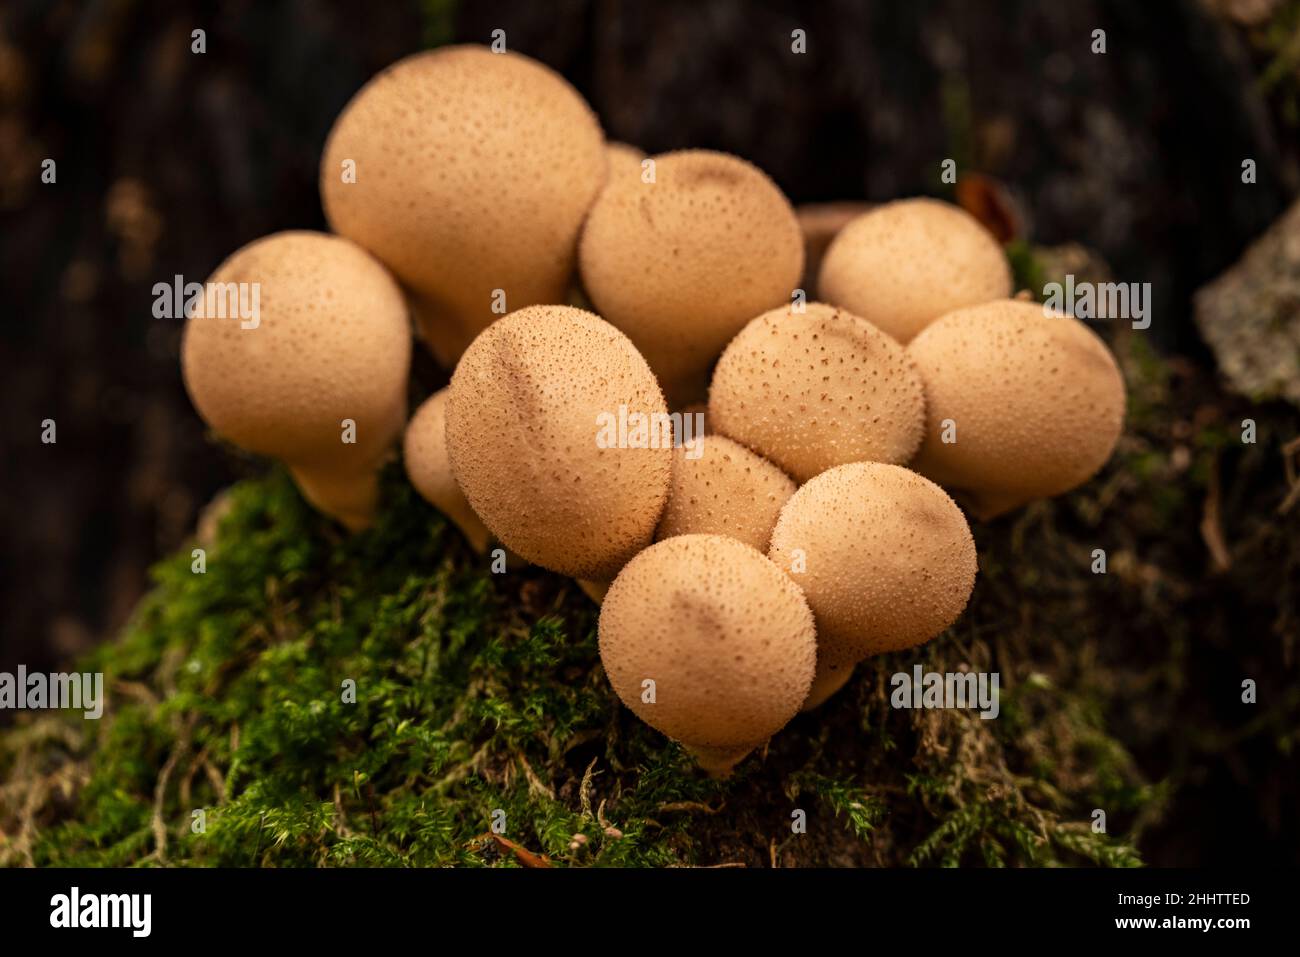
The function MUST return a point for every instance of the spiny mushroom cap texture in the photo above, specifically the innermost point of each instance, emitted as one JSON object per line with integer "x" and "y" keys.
{"x": 817, "y": 389}
{"x": 1036, "y": 403}
{"x": 727, "y": 639}
{"x": 726, "y": 490}
{"x": 887, "y": 558}
{"x": 904, "y": 264}
{"x": 524, "y": 426}
{"x": 681, "y": 264}
{"x": 424, "y": 452}
{"x": 474, "y": 171}
{"x": 331, "y": 342}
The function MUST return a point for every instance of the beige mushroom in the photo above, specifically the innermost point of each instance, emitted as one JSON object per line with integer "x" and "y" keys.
{"x": 318, "y": 379}
{"x": 883, "y": 555}
{"x": 1020, "y": 405}
{"x": 541, "y": 431}
{"x": 707, "y": 641}
{"x": 821, "y": 223}
{"x": 429, "y": 469}
{"x": 624, "y": 162}
{"x": 814, "y": 389}
{"x": 721, "y": 488}
{"x": 467, "y": 172}
{"x": 680, "y": 264}
{"x": 906, "y": 263}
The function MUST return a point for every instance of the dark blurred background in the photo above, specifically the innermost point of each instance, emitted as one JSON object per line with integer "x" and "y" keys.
{"x": 168, "y": 160}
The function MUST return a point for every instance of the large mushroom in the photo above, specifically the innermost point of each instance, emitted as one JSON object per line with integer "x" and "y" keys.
{"x": 467, "y": 172}
{"x": 707, "y": 641}
{"x": 681, "y": 263}
{"x": 906, "y": 263}
{"x": 318, "y": 380}
{"x": 884, "y": 557}
{"x": 1020, "y": 404}
{"x": 817, "y": 388}
{"x": 542, "y": 432}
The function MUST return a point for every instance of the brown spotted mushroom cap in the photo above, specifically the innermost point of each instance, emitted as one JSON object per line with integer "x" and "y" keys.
{"x": 473, "y": 173}
{"x": 524, "y": 419}
{"x": 906, "y": 263}
{"x": 883, "y": 555}
{"x": 1036, "y": 404}
{"x": 331, "y": 342}
{"x": 726, "y": 638}
{"x": 724, "y": 490}
{"x": 424, "y": 452}
{"x": 681, "y": 264}
{"x": 817, "y": 389}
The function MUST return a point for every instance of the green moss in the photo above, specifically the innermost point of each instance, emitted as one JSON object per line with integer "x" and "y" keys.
{"x": 479, "y": 699}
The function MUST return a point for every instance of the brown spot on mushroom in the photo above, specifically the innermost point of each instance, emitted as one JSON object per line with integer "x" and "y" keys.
{"x": 682, "y": 263}
{"x": 876, "y": 579}
{"x": 725, "y": 490}
{"x": 330, "y": 343}
{"x": 817, "y": 389}
{"x": 429, "y": 469}
{"x": 1036, "y": 403}
{"x": 474, "y": 171}
{"x": 524, "y": 414}
{"x": 904, "y": 264}
{"x": 725, "y": 638}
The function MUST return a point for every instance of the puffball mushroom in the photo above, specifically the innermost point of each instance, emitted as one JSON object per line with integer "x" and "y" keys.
{"x": 1032, "y": 404}
{"x": 624, "y": 162}
{"x": 466, "y": 172}
{"x": 721, "y": 488}
{"x": 707, "y": 641}
{"x": 429, "y": 469}
{"x": 682, "y": 263}
{"x": 817, "y": 389}
{"x": 330, "y": 343}
{"x": 906, "y": 263}
{"x": 883, "y": 555}
{"x": 531, "y": 413}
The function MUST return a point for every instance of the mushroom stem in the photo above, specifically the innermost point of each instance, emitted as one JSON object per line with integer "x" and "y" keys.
{"x": 718, "y": 762}
{"x": 828, "y": 679}
{"x": 348, "y": 497}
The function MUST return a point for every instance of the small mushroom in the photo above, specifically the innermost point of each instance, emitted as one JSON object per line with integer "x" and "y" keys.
{"x": 707, "y": 641}
{"x": 466, "y": 172}
{"x": 1020, "y": 405}
{"x": 883, "y": 555}
{"x": 542, "y": 416}
{"x": 318, "y": 379}
{"x": 429, "y": 469}
{"x": 680, "y": 264}
{"x": 814, "y": 389}
{"x": 906, "y": 263}
{"x": 721, "y": 488}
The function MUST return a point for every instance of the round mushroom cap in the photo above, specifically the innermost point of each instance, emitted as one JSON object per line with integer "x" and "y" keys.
{"x": 681, "y": 264}
{"x": 533, "y": 431}
{"x": 817, "y": 389}
{"x": 473, "y": 173}
{"x": 330, "y": 342}
{"x": 722, "y": 488}
{"x": 883, "y": 555}
{"x": 424, "y": 451}
{"x": 906, "y": 263}
{"x": 726, "y": 638}
{"x": 1035, "y": 403}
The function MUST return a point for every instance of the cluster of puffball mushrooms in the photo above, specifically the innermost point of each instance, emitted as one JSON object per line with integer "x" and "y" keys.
{"x": 571, "y": 283}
